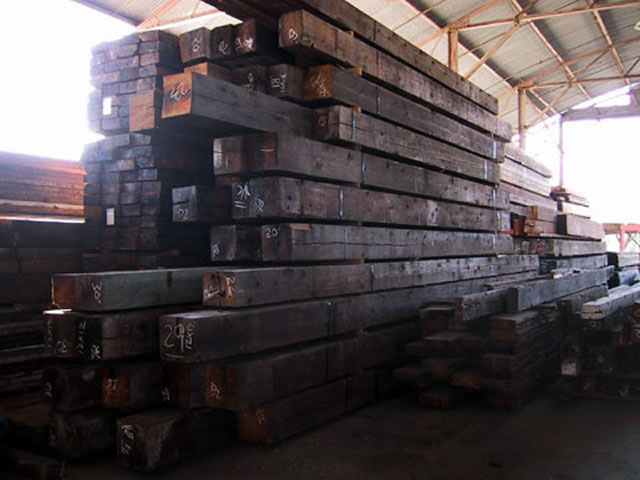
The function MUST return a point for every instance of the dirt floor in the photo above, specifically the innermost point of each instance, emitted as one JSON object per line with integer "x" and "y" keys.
{"x": 398, "y": 440}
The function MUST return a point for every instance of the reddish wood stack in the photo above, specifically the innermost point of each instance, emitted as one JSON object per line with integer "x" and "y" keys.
{"x": 38, "y": 187}
{"x": 602, "y": 351}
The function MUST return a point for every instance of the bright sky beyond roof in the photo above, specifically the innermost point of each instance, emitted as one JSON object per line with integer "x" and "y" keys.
{"x": 45, "y": 87}
{"x": 46, "y": 53}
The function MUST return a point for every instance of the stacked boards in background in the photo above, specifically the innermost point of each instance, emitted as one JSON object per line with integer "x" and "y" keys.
{"x": 626, "y": 268}
{"x": 40, "y": 188}
{"x": 601, "y": 353}
{"x": 501, "y": 345}
{"x": 129, "y": 177}
{"x": 30, "y": 253}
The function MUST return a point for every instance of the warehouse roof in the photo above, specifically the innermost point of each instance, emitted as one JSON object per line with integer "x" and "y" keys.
{"x": 559, "y": 53}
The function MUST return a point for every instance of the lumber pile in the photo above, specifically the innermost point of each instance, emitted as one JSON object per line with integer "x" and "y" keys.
{"x": 37, "y": 187}
{"x": 570, "y": 202}
{"x": 108, "y": 390}
{"x": 626, "y": 268}
{"x": 30, "y": 253}
{"x": 601, "y": 354}
{"x": 332, "y": 188}
{"x": 129, "y": 177}
{"x": 528, "y": 182}
{"x": 500, "y": 345}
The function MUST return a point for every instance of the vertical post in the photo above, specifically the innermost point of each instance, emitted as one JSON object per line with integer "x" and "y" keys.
{"x": 623, "y": 238}
{"x": 522, "y": 130}
{"x": 453, "y": 50}
{"x": 561, "y": 148}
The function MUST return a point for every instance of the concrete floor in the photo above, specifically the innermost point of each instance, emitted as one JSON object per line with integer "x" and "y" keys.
{"x": 398, "y": 440}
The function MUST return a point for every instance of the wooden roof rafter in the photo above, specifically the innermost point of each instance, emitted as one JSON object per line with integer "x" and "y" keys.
{"x": 607, "y": 37}
{"x": 532, "y": 18}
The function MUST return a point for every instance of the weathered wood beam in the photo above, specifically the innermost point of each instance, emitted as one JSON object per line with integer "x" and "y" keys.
{"x": 464, "y": 20}
{"x": 453, "y": 51}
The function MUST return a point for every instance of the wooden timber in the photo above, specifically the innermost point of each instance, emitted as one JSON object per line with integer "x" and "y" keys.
{"x": 609, "y": 305}
{"x": 133, "y": 386}
{"x": 244, "y": 383}
{"x": 197, "y": 336}
{"x": 342, "y": 124}
{"x": 157, "y": 438}
{"x": 518, "y": 155}
{"x": 302, "y": 32}
{"x": 579, "y": 227}
{"x": 104, "y": 336}
{"x": 352, "y": 19}
{"x": 286, "y": 81}
{"x": 572, "y": 304}
{"x": 84, "y": 433}
{"x": 108, "y": 291}
{"x": 262, "y": 154}
{"x": 522, "y": 177}
{"x": 201, "y": 203}
{"x": 559, "y": 247}
{"x": 572, "y": 263}
{"x": 260, "y": 286}
{"x": 279, "y": 197}
{"x": 523, "y": 297}
{"x": 293, "y": 242}
{"x": 72, "y": 388}
{"x": 526, "y": 198}
{"x": 195, "y": 46}
{"x": 328, "y": 83}
{"x": 275, "y": 421}
{"x": 220, "y": 108}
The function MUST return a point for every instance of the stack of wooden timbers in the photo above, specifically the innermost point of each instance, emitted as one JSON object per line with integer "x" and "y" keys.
{"x": 327, "y": 227}
{"x": 602, "y": 349}
{"x": 30, "y": 253}
{"x": 40, "y": 188}
{"x": 626, "y": 268}
{"x": 501, "y": 344}
{"x": 129, "y": 177}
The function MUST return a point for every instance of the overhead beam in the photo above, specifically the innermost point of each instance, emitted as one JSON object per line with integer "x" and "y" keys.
{"x": 453, "y": 50}
{"x": 522, "y": 114}
{"x": 434, "y": 25}
{"x": 489, "y": 53}
{"x": 547, "y": 15}
{"x": 607, "y": 37}
{"x": 551, "y": 105}
{"x": 177, "y": 21}
{"x": 153, "y": 19}
{"x": 585, "y": 56}
{"x": 460, "y": 21}
{"x": 601, "y": 113}
{"x": 551, "y": 48}
{"x": 584, "y": 80}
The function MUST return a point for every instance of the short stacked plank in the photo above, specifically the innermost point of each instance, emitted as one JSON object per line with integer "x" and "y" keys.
{"x": 602, "y": 352}
{"x": 130, "y": 176}
{"x": 502, "y": 344}
{"x": 38, "y": 187}
{"x": 626, "y": 265}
